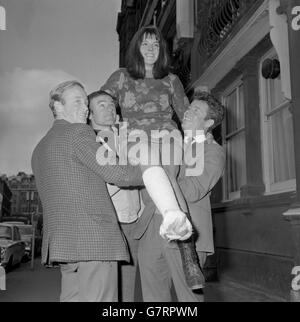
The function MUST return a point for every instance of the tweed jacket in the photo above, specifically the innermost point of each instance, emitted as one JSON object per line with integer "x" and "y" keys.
{"x": 196, "y": 190}
{"x": 79, "y": 219}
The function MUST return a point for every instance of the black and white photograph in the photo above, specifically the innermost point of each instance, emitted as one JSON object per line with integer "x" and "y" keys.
{"x": 149, "y": 153}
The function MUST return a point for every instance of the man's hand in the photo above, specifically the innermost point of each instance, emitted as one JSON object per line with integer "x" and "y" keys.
{"x": 175, "y": 226}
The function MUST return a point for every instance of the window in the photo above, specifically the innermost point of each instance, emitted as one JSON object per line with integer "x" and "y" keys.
{"x": 24, "y": 209}
{"x": 278, "y": 137}
{"x": 32, "y": 208}
{"x": 35, "y": 197}
{"x": 23, "y": 196}
{"x": 234, "y": 139}
{"x": 5, "y": 232}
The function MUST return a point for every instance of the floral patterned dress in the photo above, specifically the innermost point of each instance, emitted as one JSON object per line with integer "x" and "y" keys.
{"x": 148, "y": 104}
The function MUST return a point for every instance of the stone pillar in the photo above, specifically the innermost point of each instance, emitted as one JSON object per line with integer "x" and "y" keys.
{"x": 254, "y": 185}
{"x": 185, "y": 18}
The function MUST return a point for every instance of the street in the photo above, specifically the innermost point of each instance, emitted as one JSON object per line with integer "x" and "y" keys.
{"x": 26, "y": 285}
{"x": 43, "y": 285}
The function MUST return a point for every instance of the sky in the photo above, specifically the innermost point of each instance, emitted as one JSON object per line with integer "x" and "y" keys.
{"x": 47, "y": 42}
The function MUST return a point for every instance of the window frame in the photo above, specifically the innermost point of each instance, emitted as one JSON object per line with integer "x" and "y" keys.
{"x": 266, "y": 136}
{"x": 228, "y": 196}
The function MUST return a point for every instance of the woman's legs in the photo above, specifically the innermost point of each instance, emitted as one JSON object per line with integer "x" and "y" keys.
{"x": 175, "y": 224}
{"x": 172, "y": 170}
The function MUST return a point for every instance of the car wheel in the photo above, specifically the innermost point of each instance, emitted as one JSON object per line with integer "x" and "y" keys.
{"x": 10, "y": 264}
{"x": 25, "y": 258}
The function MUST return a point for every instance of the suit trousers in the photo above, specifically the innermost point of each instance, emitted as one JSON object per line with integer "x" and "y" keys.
{"x": 127, "y": 271}
{"x": 91, "y": 281}
{"x": 160, "y": 264}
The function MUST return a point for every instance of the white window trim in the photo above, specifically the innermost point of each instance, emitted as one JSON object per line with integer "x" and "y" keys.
{"x": 267, "y": 155}
{"x": 234, "y": 194}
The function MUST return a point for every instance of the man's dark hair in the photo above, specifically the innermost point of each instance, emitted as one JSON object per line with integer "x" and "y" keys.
{"x": 216, "y": 110}
{"x": 100, "y": 93}
{"x": 135, "y": 61}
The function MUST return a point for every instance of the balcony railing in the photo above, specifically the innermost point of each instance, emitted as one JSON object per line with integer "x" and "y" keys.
{"x": 217, "y": 22}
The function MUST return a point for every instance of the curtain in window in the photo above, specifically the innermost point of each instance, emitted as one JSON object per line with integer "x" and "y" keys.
{"x": 283, "y": 146}
{"x": 281, "y": 134}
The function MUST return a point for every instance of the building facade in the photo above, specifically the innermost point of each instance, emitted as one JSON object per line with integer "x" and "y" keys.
{"x": 25, "y": 198}
{"x": 245, "y": 53}
{"x": 5, "y": 198}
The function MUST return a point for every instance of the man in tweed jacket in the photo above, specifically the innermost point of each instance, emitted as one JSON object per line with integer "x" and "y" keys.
{"x": 81, "y": 230}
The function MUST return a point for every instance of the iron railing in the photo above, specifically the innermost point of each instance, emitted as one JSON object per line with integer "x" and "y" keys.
{"x": 221, "y": 17}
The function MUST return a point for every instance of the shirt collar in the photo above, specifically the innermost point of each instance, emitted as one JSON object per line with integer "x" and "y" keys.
{"x": 198, "y": 138}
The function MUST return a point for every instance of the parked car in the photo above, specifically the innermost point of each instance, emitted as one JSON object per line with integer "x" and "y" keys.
{"x": 14, "y": 222}
{"x": 12, "y": 248}
{"x": 26, "y": 232}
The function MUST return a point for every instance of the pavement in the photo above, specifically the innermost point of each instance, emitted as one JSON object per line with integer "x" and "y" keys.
{"x": 39, "y": 284}
{"x": 42, "y": 284}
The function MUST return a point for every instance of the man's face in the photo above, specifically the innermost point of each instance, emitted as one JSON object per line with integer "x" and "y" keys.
{"x": 194, "y": 117}
{"x": 73, "y": 108}
{"x": 103, "y": 111}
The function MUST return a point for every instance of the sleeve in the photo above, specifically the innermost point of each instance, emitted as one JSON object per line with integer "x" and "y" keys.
{"x": 179, "y": 101}
{"x": 195, "y": 188}
{"x": 85, "y": 149}
{"x": 115, "y": 83}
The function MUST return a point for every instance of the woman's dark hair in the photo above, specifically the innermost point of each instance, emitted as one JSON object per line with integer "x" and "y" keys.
{"x": 135, "y": 61}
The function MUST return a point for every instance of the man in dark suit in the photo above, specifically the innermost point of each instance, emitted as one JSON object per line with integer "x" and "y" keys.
{"x": 160, "y": 262}
{"x": 81, "y": 231}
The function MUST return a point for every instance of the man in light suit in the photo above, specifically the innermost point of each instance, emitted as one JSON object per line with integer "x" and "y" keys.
{"x": 159, "y": 261}
{"x": 81, "y": 230}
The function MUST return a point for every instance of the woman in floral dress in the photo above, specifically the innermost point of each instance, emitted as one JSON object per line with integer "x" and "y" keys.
{"x": 148, "y": 95}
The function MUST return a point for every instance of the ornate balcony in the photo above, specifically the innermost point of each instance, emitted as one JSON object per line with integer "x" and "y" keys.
{"x": 216, "y": 19}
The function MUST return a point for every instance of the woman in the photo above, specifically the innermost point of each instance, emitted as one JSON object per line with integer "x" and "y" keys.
{"x": 148, "y": 95}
